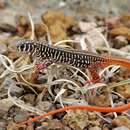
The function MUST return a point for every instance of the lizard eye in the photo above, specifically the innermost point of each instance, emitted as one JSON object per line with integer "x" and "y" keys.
{"x": 25, "y": 46}
{"x": 22, "y": 47}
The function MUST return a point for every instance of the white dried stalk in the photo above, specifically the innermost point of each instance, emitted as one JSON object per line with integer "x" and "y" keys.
{"x": 32, "y": 26}
{"x": 11, "y": 67}
{"x": 112, "y": 104}
{"x": 29, "y": 83}
{"x": 64, "y": 41}
{"x": 93, "y": 86}
{"x": 27, "y": 86}
{"x": 105, "y": 41}
{"x": 21, "y": 104}
{"x": 60, "y": 93}
{"x": 48, "y": 33}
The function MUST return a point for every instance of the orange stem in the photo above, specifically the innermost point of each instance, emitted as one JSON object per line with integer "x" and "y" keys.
{"x": 80, "y": 107}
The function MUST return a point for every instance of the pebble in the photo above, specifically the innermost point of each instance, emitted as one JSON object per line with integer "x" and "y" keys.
{"x": 5, "y": 105}
{"x": 45, "y": 105}
{"x": 3, "y": 49}
{"x": 95, "y": 128}
{"x": 121, "y": 128}
{"x": 2, "y": 124}
{"x": 21, "y": 116}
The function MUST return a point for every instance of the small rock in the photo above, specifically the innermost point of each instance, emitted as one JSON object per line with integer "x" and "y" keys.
{"x": 3, "y": 124}
{"x": 87, "y": 26}
{"x": 3, "y": 49}
{"x": 119, "y": 42}
{"x": 107, "y": 126}
{"x": 101, "y": 100}
{"x": 22, "y": 20}
{"x": 66, "y": 128}
{"x": 39, "y": 30}
{"x": 29, "y": 98}
{"x": 125, "y": 19}
{"x": 93, "y": 37}
{"x": 59, "y": 30}
{"x": 51, "y": 15}
{"x": 23, "y": 26}
{"x": 12, "y": 45}
{"x": 121, "y": 128}
{"x": 76, "y": 120}
{"x": 123, "y": 31}
{"x": 12, "y": 50}
{"x": 126, "y": 48}
{"x": 5, "y": 27}
{"x": 21, "y": 116}
{"x": 55, "y": 125}
{"x": 4, "y": 37}
{"x": 17, "y": 91}
{"x": 13, "y": 126}
{"x": 121, "y": 121}
{"x": 121, "y": 39}
{"x": 44, "y": 105}
{"x": 31, "y": 77}
{"x": 124, "y": 90}
{"x": 92, "y": 115}
{"x": 30, "y": 127}
{"x": 21, "y": 30}
{"x": 113, "y": 23}
{"x": 95, "y": 128}
{"x": 2, "y": 4}
{"x": 13, "y": 55}
{"x": 27, "y": 34}
{"x": 5, "y": 105}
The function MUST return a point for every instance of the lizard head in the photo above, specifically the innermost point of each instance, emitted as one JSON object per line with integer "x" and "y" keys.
{"x": 25, "y": 46}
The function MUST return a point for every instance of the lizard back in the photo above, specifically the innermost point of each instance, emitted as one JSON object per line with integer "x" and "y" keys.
{"x": 59, "y": 55}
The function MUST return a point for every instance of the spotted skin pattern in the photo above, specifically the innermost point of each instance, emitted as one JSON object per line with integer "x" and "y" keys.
{"x": 59, "y": 55}
{"x": 62, "y": 56}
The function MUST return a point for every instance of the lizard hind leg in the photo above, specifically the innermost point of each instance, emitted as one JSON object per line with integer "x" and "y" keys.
{"x": 93, "y": 70}
{"x": 42, "y": 64}
{"x": 94, "y": 75}
{"x": 95, "y": 78}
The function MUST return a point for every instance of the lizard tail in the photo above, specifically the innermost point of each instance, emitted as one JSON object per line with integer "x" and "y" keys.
{"x": 120, "y": 61}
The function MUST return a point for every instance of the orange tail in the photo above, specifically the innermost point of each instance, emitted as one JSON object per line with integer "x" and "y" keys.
{"x": 120, "y": 61}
